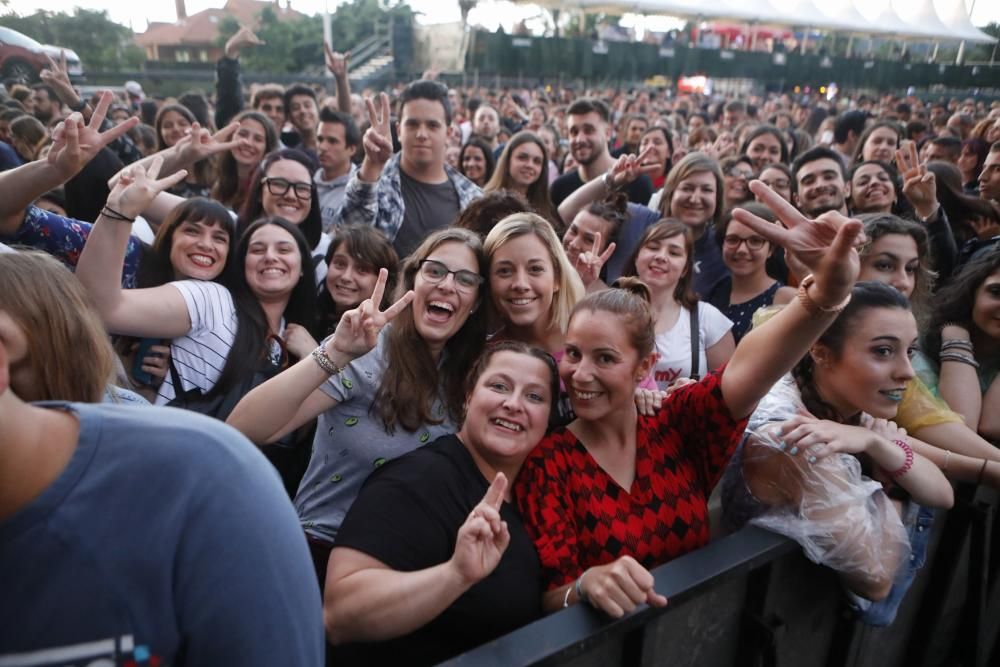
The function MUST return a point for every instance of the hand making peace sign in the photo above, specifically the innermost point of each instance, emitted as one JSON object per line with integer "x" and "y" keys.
{"x": 826, "y": 245}
{"x": 589, "y": 263}
{"x": 138, "y": 186}
{"x": 378, "y": 138}
{"x": 919, "y": 184}
{"x": 484, "y": 536}
{"x": 358, "y": 329}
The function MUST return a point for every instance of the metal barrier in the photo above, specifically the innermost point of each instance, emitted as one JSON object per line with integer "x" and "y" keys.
{"x": 547, "y": 59}
{"x": 752, "y": 599}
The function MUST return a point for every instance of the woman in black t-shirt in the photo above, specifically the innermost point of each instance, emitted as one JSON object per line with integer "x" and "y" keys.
{"x": 432, "y": 559}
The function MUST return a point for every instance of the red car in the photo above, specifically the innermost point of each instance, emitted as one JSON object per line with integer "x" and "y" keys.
{"x": 22, "y": 58}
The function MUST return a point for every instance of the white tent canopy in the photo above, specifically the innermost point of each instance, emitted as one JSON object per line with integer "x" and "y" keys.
{"x": 898, "y": 18}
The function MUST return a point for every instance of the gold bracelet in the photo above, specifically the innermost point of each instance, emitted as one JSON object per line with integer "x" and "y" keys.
{"x": 324, "y": 361}
{"x": 814, "y": 308}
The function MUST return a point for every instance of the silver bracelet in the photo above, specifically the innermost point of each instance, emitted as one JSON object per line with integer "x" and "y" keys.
{"x": 324, "y": 361}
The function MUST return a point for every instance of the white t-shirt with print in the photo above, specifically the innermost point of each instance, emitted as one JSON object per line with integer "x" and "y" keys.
{"x": 674, "y": 345}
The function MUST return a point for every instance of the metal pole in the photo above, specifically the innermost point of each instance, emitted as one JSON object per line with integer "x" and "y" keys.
{"x": 328, "y": 38}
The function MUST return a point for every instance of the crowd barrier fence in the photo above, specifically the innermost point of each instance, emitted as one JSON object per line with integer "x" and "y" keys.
{"x": 550, "y": 59}
{"x": 751, "y": 599}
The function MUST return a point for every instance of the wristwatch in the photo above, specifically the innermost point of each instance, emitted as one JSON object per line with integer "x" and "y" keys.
{"x": 79, "y": 106}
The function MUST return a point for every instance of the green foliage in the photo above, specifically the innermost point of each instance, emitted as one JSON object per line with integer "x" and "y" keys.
{"x": 100, "y": 42}
{"x": 297, "y": 46}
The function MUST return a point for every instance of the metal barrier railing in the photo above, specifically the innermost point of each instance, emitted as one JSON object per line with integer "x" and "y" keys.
{"x": 751, "y": 598}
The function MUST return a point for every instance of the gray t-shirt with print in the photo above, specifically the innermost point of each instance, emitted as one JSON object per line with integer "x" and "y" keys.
{"x": 351, "y": 442}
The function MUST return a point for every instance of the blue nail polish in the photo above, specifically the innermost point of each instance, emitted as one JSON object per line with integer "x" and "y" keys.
{"x": 793, "y": 451}
{"x": 781, "y": 445}
{"x": 812, "y": 459}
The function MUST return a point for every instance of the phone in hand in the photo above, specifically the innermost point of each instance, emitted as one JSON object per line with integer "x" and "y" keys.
{"x": 141, "y": 352}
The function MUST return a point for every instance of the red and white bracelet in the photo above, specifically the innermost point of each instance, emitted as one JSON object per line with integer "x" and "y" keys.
{"x": 895, "y": 474}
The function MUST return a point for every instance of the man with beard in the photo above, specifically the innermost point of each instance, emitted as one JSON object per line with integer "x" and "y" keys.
{"x": 820, "y": 184}
{"x": 588, "y": 142}
{"x": 46, "y": 103}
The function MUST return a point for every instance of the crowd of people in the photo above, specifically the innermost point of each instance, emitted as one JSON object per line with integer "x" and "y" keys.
{"x": 261, "y": 350}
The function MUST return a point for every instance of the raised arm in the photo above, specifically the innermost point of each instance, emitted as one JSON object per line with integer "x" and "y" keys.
{"x": 365, "y": 600}
{"x": 360, "y": 198}
{"x": 199, "y": 144}
{"x": 292, "y": 398}
{"x": 622, "y": 174}
{"x": 826, "y": 246}
{"x": 74, "y": 144}
{"x": 338, "y": 63}
{"x": 156, "y": 312}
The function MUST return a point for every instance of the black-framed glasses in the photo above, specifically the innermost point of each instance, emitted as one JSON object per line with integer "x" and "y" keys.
{"x": 279, "y": 186}
{"x": 435, "y": 272}
{"x": 753, "y": 242}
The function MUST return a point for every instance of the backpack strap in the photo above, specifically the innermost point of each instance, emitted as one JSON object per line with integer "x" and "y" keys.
{"x": 695, "y": 344}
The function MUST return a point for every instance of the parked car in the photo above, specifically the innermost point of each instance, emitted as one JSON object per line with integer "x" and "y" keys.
{"x": 22, "y": 58}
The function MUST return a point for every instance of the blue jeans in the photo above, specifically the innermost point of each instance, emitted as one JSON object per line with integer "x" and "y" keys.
{"x": 918, "y": 521}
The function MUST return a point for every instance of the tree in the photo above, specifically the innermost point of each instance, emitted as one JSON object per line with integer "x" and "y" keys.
{"x": 101, "y": 43}
{"x": 297, "y": 46}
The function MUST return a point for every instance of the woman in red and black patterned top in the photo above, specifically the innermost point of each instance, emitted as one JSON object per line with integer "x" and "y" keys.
{"x": 614, "y": 494}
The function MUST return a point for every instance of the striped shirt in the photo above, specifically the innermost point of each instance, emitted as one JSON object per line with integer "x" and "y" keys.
{"x": 200, "y": 355}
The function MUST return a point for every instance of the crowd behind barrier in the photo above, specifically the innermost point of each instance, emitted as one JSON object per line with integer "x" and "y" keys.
{"x": 483, "y": 355}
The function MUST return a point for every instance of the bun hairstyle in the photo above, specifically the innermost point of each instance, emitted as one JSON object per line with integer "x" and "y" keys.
{"x": 630, "y": 300}
{"x": 613, "y": 209}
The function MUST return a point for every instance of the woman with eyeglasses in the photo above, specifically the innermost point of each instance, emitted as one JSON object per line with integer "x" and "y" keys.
{"x": 378, "y": 394}
{"x": 219, "y": 335}
{"x": 692, "y": 337}
{"x": 748, "y": 287}
{"x": 737, "y": 172}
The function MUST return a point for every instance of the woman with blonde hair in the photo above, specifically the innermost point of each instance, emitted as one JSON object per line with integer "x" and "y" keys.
{"x": 533, "y": 286}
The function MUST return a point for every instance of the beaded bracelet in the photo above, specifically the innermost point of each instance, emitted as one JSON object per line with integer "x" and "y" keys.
{"x": 895, "y": 474}
{"x": 324, "y": 361}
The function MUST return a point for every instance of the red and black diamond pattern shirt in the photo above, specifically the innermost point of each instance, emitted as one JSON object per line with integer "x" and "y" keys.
{"x": 579, "y": 517}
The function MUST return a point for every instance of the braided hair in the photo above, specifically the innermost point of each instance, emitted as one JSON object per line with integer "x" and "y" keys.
{"x": 865, "y": 296}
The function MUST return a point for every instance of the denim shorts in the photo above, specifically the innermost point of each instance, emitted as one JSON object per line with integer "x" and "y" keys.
{"x": 918, "y": 521}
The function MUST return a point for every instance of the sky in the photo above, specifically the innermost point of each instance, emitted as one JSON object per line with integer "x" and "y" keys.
{"x": 489, "y": 13}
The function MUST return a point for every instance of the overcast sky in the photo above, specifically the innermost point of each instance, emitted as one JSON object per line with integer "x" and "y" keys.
{"x": 489, "y": 13}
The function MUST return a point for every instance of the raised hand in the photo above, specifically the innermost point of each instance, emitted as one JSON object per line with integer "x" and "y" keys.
{"x": 75, "y": 143}
{"x": 200, "y": 143}
{"x": 138, "y": 186}
{"x": 826, "y": 246}
{"x": 243, "y": 38}
{"x": 619, "y": 587}
{"x": 358, "y": 330}
{"x": 56, "y": 76}
{"x": 630, "y": 167}
{"x": 484, "y": 536}
{"x": 589, "y": 263}
{"x": 378, "y": 139}
{"x": 336, "y": 62}
{"x": 919, "y": 184}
